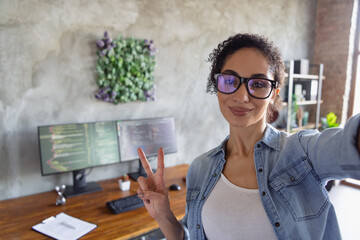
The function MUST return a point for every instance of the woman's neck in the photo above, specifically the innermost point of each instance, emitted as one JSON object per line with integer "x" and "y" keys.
{"x": 242, "y": 140}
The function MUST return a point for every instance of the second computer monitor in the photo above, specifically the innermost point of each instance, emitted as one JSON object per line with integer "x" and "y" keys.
{"x": 149, "y": 134}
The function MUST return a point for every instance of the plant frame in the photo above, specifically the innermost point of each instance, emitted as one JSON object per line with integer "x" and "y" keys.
{"x": 125, "y": 68}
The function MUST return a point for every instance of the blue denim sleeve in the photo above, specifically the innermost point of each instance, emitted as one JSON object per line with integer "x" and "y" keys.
{"x": 183, "y": 222}
{"x": 333, "y": 152}
{"x": 186, "y": 231}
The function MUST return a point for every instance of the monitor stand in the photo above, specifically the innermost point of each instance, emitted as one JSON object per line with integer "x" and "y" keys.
{"x": 139, "y": 173}
{"x": 80, "y": 185}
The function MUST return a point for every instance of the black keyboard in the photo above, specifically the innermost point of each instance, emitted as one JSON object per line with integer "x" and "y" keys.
{"x": 125, "y": 204}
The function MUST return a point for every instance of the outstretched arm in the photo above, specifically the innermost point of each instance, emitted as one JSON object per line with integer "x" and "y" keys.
{"x": 152, "y": 190}
{"x": 358, "y": 139}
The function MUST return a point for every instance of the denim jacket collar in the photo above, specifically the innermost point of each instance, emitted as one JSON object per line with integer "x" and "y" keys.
{"x": 271, "y": 137}
{"x": 220, "y": 148}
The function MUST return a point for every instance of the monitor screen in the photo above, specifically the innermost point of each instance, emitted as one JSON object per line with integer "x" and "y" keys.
{"x": 149, "y": 134}
{"x": 75, "y": 147}
{"x": 70, "y": 147}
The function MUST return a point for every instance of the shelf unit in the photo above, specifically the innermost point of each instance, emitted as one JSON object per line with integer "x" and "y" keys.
{"x": 293, "y": 78}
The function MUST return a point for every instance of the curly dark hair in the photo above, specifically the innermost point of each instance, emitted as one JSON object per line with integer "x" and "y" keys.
{"x": 239, "y": 41}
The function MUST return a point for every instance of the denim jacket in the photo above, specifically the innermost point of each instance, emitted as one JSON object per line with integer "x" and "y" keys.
{"x": 291, "y": 172}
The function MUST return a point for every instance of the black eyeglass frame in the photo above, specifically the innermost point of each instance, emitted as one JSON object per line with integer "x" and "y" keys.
{"x": 245, "y": 80}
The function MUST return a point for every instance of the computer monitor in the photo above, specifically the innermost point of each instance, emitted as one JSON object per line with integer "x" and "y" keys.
{"x": 75, "y": 147}
{"x": 150, "y": 135}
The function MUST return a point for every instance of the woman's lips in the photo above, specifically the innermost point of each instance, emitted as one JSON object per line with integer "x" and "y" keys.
{"x": 240, "y": 111}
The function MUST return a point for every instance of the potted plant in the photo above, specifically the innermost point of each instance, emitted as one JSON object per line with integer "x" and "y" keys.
{"x": 124, "y": 182}
{"x": 329, "y": 121}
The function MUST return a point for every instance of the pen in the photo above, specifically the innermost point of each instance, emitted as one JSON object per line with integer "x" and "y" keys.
{"x": 67, "y": 225}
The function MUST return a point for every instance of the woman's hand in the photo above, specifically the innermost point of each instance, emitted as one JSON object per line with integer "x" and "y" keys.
{"x": 152, "y": 190}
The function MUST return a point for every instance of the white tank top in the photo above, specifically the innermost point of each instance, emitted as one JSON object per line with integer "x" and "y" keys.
{"x": 233, "y": 212}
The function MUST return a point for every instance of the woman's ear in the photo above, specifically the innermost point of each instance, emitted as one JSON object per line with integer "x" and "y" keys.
{"x": 276, "y": 92}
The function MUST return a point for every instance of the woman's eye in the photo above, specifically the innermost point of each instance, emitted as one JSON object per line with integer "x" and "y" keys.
{"x": 229, "y": 81}
{"x": 258, "y": 84}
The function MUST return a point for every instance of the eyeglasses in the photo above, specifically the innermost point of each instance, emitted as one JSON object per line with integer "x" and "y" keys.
{"x": 257, "y": 87}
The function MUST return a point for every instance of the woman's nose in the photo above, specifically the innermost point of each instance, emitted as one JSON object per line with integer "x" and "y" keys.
{"x": 241, "y": 95}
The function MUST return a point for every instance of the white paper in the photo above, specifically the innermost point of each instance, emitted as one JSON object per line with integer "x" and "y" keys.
{"x": 63, "y": 226}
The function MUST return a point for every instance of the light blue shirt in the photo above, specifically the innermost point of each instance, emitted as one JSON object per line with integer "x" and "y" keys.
{"x": 291, "y": 172}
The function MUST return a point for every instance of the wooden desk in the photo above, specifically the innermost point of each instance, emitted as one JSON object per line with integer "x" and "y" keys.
{"x": 17, "y": 216}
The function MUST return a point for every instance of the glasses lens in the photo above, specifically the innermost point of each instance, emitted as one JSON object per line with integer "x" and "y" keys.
{"x": 227, "y": 83}
{"x": 259, "y": 88}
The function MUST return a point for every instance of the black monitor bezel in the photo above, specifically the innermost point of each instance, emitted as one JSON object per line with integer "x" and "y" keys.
{"x": 55, "y": 173}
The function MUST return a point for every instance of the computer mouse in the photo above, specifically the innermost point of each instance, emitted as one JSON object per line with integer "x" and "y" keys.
{"x": 175, "y": 187}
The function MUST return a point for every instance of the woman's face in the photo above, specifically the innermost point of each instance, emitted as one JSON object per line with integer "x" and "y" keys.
{"x": 239, "y": 108}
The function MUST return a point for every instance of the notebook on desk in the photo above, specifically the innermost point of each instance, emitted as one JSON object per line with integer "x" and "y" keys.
{"x": 63, "y": 226}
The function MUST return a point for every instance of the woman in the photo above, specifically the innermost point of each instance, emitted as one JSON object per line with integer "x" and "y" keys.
{"x": 259, "y": 183}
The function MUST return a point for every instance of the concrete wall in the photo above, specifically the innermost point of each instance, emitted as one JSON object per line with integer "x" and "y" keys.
{"x": 47, "y": 70}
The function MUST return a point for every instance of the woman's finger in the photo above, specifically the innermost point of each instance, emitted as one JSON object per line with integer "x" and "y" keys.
{"x": 160, "y": 164}
{"x": 143, "y": 183}
{"x": 140, "y": 193}
{"x": 149, "y": 196}
{"x": 144, "y": 162}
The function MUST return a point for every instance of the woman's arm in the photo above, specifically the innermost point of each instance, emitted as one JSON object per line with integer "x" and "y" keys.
{"x": 358, "y": 139}
{"x": 153, "y": 192}
{"x": 335, "y": 152}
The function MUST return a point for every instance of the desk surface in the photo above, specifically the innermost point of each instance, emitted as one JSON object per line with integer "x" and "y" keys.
{"x": 17, "y": 216}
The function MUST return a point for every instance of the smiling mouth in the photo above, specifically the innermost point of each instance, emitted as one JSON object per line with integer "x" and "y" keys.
{"x": 240, "y": 111}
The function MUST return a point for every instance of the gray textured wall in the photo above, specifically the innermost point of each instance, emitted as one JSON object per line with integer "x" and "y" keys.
{"x": 47, "y": 55}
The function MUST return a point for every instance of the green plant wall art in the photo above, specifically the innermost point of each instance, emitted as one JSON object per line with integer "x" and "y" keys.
{"x": 125, "y": 68}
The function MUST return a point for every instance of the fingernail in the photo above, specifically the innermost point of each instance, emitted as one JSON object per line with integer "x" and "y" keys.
{"x": 141, "y": 195}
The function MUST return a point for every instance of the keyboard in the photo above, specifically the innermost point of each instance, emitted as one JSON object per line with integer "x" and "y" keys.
{"x": 125, "y": 204}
